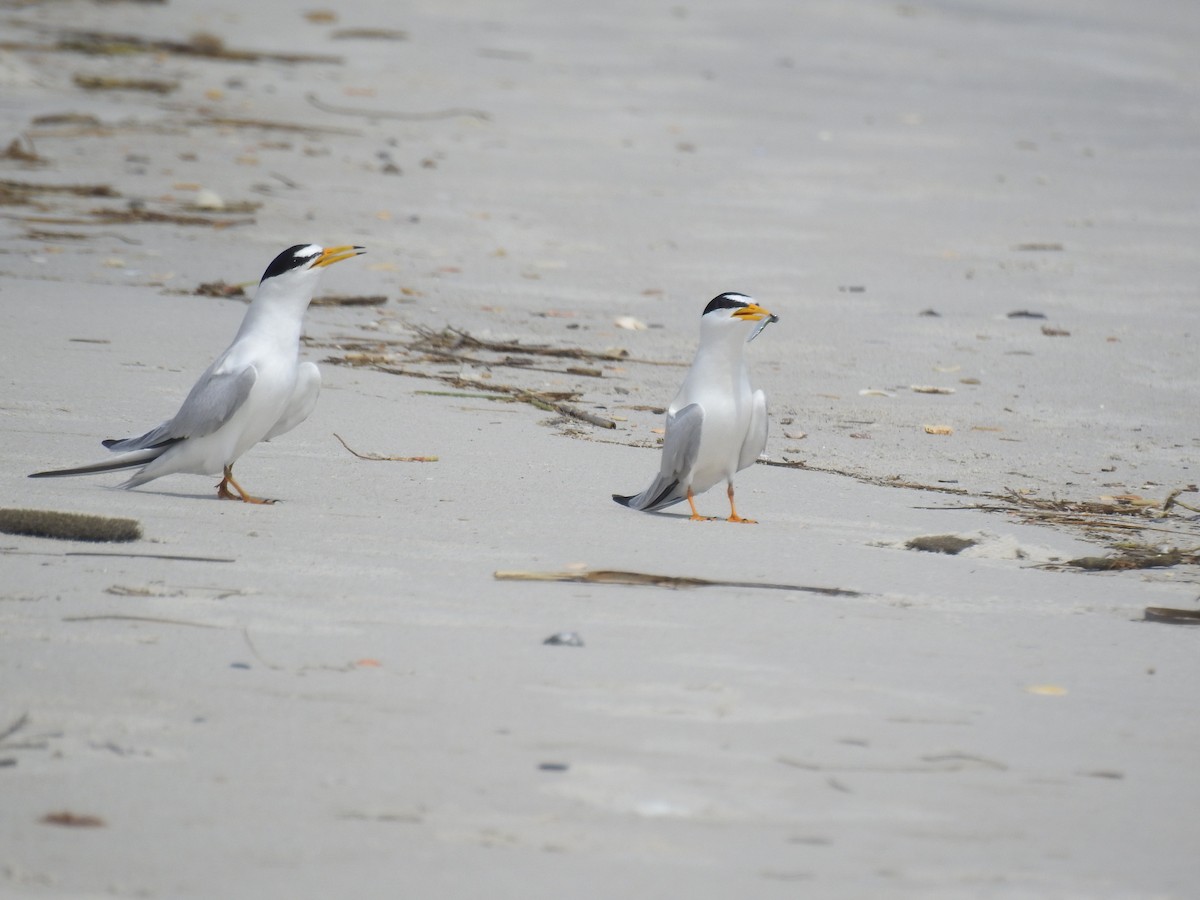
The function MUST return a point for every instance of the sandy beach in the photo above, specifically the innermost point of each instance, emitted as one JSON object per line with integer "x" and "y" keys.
{"x": 976, "y": 223}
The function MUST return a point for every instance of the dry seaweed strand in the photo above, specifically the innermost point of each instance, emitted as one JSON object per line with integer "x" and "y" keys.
{"x": 674, "y": 582}
{"x": 268, "y": 125}
{"x": 147, "y": 216}
{"x": 453, "y": 112}
{"x": 122, "y": 617}
{"x": 881, "y": 481}
{"x": 541, "y": 399}
{"x": 208, "y": 46}
{"x": 113, "y": 83}
{"x": 22, "y": 189}
{"x": 20, "y": 722}
{"x": 377, "y": 458}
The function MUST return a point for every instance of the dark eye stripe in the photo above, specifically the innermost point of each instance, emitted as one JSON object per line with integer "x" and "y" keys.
{"x": 728, "y": 300}
{"x": 288, "y": 259}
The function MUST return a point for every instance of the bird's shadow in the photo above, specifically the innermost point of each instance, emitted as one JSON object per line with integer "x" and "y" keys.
{"x": 181, "y": 495}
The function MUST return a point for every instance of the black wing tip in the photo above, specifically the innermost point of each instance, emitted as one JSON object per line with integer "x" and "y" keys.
{"x": 624, "y": 501}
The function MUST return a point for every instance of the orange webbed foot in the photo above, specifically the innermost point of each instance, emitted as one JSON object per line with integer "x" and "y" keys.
{"x": 223, "y": 492}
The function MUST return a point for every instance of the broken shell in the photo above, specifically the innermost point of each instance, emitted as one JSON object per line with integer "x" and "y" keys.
{"x": 938, "y": 429}
{"x": 208, "y": 199}
{"x": 629, "y": 323}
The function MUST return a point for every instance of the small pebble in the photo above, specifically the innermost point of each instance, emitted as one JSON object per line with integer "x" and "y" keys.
{"x": 564, "y": 639}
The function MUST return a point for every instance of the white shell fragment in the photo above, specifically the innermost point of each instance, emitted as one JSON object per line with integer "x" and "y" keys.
{"x": 629, "y": 323}
{"x": 208, "y": 199}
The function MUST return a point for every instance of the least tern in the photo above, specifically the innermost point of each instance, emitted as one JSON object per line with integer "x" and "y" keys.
{"x": 717, "y": 424}
{"x": 254, "y": 391}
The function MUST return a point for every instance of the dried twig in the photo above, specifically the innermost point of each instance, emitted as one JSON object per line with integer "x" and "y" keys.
{"x": 564, "y": 409}
{"x": 266, "y": 125}
{"x": 674, "y": 582}
{"x": 432, "y": 116}
{"x": 16, "y": 726}
{"x": 214, "y": 559}
{"x": 378, "y": 458}
{"x": 117, "y": 617}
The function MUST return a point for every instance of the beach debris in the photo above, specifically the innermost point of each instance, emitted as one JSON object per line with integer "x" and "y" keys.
{"x": 630, "y": 323}
{"x": 207, "y": 198}
{"x": 874, "y": 392}
{"x": 270, "y": 125}
{"x": 139, "y": 215}
{"x": 1133, "y": 557}
{"x": 1047, "y": 690}
{"x": 452, "y": 112}
{"x": 553, "y": 767}
{"x": 1039, "y": 247}
{"x": 448, "y": 343}
{"x": 115, "y": 83}
{"x": 563, "y": 409}
{"x": 950, "y": 544}
{"x": 338, "y": 300}
{"x": 17, "y": 152}
{"x": 1171, "y": 615}
{"x": 938, "y": 429}
{"x": 167, "y": 556}
{"x": 121, "y": 617}
{"x": 852, "y": 288}
{"x": 377, "y": 458}
{"x": 65, "y": 526}
{"x": 369, "y": 34}
{"x": 930, "y": 389}
{"x": 15, "y": 192}
{"x": 891, "y": 481}
{"x": 1026, "y": 314}
{"x": 78, "y": 120}
{"x": 674, "y": 582}
{"x": 25, "y": 744}
{"x": 200, "y": 44}
{"x": 69, "y": 819}
{"x": 564, "y": 639}
{"x": 1104, "y": 512}
{"x": 930, "y": 313}
{"x": 220, "y": 289}
{"x": 1051, "y": 331}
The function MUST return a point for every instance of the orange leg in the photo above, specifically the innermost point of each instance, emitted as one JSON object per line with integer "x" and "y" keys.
{"x": 696, "y": 517}
{"x": 224, "y": 493}
{"x": 733, "y": 515}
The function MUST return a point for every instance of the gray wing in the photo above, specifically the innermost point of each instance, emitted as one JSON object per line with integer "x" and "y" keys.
{"x": 209, "y": 405}
{"x": 681, "y": 444}
{"x": 302, "y": 402}
{"x": 756, "y": 437}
